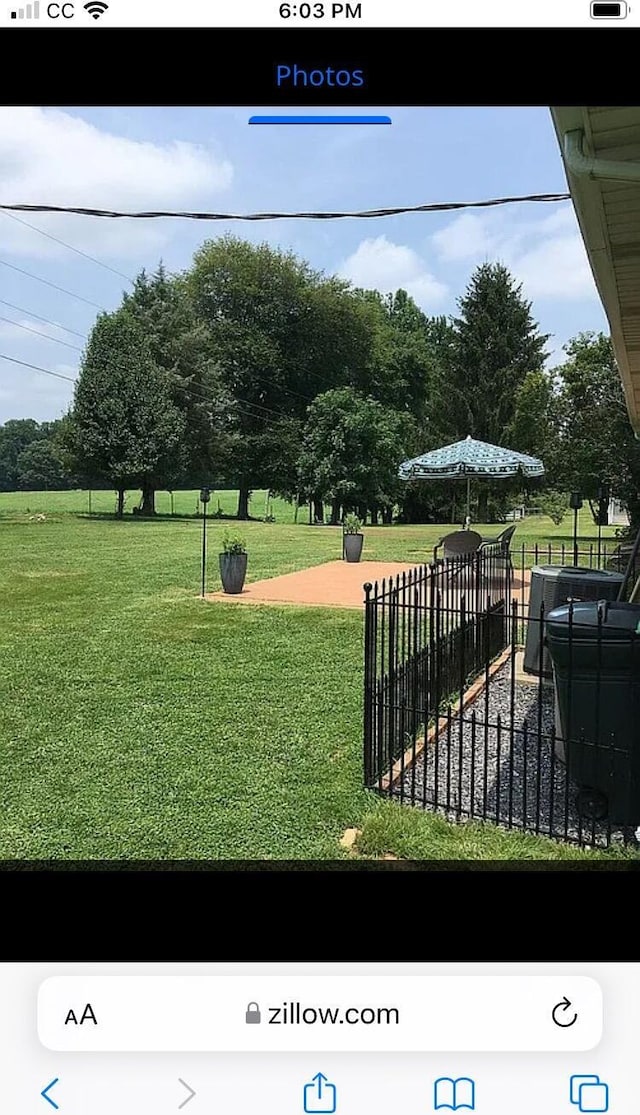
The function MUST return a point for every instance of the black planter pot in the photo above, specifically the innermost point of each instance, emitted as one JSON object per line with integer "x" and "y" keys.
{"x": 233, "y": 570}
{"x": 353, "y": 544}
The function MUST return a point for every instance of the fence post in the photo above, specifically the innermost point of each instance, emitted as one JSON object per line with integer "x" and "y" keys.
{"x": 369, "y": 675}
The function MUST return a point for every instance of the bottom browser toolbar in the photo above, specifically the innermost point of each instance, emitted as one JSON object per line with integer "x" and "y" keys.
{"x": 409, "y": 1086}
{"x": 569, "y": 1075}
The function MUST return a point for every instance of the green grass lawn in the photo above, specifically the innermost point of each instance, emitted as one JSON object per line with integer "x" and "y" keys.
{"x": 137, "y": 721}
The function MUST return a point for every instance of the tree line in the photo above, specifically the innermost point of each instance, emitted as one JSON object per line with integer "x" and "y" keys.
{"x": 253, "y": 370}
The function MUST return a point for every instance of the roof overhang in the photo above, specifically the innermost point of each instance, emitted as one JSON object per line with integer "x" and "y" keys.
{"x": 601, "y": 152}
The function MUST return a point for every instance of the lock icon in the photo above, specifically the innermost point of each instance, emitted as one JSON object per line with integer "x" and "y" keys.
{"x": 253, "y": 1015}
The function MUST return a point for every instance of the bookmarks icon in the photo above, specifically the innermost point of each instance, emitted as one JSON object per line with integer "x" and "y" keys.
{"x": 454, "y": 1094}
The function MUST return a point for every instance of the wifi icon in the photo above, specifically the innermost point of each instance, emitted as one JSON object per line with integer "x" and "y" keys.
{"x": 96, "y": 8}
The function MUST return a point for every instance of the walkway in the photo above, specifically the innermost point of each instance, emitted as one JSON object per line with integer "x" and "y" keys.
{"x": 336, "y": 584}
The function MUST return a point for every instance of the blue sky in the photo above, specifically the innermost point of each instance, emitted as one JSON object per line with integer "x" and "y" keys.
{"x": 210, "y": 158}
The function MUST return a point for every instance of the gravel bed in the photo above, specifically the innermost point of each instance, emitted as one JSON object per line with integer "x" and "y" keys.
{"x": 512, "y": 775}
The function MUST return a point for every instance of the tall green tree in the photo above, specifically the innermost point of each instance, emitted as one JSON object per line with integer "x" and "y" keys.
{"x": 496, "y": 346}
{"x": 533, "y": 428}
{"x": 281, "y": 334}
{"x": 180, "y": 345}
{"x": 398, "y": 368}
{"x": 597, "y": 444}
{"x": 351, "y": 452}
{"x": 124, "y": 428}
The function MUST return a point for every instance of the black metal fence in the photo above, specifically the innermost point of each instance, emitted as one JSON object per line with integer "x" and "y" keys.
{"x": 608, "y": 554}
{"x": 615, "y": 557}
{"x": 454, "y": 724}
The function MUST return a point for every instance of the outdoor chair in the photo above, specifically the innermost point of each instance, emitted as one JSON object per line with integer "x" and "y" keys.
{"x": 459, "y": 553}
{"x": 457, "y": 545}
{"x": 499, "y": 567}
{"x": 504, "y": 538}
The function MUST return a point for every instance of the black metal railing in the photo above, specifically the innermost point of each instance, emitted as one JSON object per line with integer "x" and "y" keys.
{"x": 454, "y": 724}
{"x": 610, "y": 555}
{"x": 424, "y": 630}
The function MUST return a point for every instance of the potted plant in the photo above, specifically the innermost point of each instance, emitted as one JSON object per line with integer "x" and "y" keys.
{"x": 353, "y": 538}
{"x": 233, "y": 563}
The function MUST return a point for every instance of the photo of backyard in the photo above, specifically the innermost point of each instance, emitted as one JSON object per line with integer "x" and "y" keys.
{"x": 320, "y": 538}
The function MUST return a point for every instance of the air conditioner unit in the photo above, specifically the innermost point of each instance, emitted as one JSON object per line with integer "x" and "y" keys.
{"x": 553, "y": 585}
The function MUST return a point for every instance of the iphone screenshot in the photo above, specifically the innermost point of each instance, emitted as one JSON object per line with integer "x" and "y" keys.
{"x": 319, "y": 557}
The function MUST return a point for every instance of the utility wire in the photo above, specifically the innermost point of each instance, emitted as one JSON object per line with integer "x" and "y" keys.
{"x": 37, "y": 333}
{"x": 46, "y": 320}
{"x": 46, "y": 282}
{"x": 393, "y": 211}
{"x": 78, "y": 251}
{"x": 36, "y": 368}
{"x": 284, "y": 419}
{"x": 268, "y": 411}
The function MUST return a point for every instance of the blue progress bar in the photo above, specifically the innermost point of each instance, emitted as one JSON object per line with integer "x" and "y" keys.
{"x": 320, "y": 120}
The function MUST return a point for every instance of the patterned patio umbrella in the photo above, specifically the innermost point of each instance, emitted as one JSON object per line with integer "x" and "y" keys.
{"x": 470, "y": 458}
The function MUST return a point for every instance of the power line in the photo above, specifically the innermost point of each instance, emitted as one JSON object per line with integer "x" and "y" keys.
{"x": 205, "y": 398}
{"x": 238, "y": 399}
{"x": 78, "y": 251}
{"x": 394, "y": 211}
{"x": 46, "y": 320}
{"x": 37, "y": 333}
{"x": 36, "y": 368}
{"x": 46, "y": 282}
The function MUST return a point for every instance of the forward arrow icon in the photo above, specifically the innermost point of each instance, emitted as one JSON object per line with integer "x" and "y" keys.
{"x": 189, "y": 1097}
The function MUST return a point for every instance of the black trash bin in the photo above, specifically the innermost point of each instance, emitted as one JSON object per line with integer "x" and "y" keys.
{"x": 595, "y": 651}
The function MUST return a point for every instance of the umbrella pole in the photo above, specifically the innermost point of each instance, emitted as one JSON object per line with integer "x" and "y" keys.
{"x": 468, "y": 518}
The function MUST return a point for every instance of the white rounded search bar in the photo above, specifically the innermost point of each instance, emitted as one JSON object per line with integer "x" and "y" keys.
{"x": 309, "y": 1013}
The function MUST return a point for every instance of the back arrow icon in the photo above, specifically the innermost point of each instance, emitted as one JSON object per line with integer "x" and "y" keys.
{"x": 48, "y": 1098}
{"x": 189, "y": 1097}
{"x": 560, "y": 1016}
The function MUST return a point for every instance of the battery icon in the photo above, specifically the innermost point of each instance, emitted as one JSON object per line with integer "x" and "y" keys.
{"x": 608, "y": 11}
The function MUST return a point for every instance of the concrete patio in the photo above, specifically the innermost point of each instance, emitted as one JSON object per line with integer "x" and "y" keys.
{"x": 336, "y": 584}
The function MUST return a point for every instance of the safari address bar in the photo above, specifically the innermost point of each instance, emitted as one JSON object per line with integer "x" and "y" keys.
{"x": 310, "y": 1013}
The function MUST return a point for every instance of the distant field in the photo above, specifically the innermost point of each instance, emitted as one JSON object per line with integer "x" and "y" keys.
{"x": 104, "y": 503}
{"x": 536, "y": 529}
{"x": 137, "y": 721}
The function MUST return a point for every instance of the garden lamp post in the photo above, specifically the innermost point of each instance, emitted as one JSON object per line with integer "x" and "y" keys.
{"x": 603, "y": 515}
{"x": 205, "y": 496}
{"x": 575, "y": 502}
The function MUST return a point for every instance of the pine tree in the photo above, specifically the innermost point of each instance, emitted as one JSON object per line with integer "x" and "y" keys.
{"x": 496, "y": 345}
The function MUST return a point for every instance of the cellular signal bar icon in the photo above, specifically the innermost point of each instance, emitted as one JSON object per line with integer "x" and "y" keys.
{"x": 31, "y": 11}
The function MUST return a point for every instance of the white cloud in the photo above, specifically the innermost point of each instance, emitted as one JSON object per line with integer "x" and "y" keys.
{"x": 466, "y": 237}
{"x": 51, "y": 157}
{"x": 380, "y": 264}
{"x": 546, "y": 255}
{"x": 557, "y": 269}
